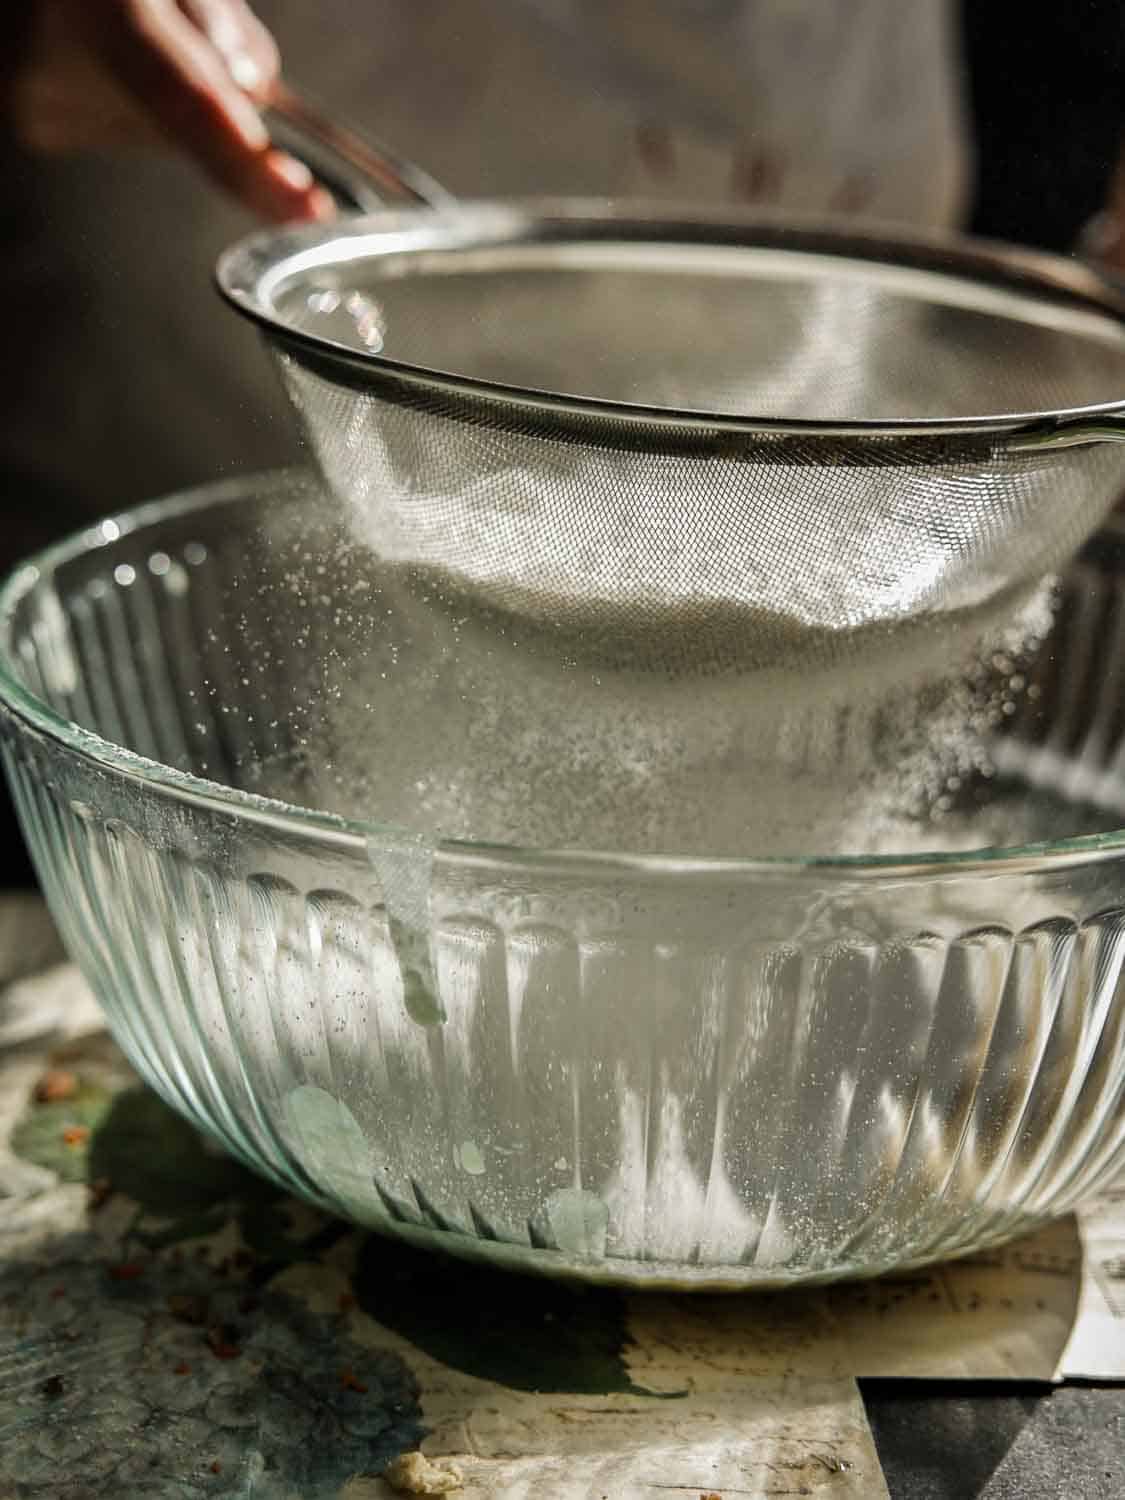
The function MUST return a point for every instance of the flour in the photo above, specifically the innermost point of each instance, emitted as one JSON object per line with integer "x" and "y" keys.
{"x": 460, "y": 722}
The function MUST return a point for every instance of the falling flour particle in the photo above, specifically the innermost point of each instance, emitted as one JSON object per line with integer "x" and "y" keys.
{"x": 460, "y": 727}
{"x": 424, "y": 710}
{"x": 415, "y": 1474}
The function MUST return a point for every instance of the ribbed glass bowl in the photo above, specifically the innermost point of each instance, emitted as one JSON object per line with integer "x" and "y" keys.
{"x": 712, "y": 1073}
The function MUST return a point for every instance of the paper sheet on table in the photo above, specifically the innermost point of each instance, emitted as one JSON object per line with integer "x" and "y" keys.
{"x": 736, "y": 1425}
{"x": 1096, "y": 1348}
{"x": 1048, "y": 1307}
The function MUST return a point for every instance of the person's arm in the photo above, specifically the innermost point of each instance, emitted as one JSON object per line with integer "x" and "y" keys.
{"x": 94, "y": 74}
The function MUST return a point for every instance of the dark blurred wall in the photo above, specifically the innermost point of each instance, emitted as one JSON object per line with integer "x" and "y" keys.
{"x": 1046, "y": 88}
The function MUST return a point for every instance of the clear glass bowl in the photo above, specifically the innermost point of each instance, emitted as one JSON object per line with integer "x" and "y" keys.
{"x": 678, "y": 1072}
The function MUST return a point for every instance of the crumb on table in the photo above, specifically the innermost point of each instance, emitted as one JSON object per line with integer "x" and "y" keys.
{"x": 415, "y": 1474}
{"x": 55, "y": 1084}
{"x": 100, "y": 1191}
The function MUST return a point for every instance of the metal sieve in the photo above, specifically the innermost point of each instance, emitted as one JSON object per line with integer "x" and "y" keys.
{"x": 696, "y": 438}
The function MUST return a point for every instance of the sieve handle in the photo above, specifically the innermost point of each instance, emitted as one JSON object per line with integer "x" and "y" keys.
{"x": 1106, "y": 427}
{"x": 362, "y": 176}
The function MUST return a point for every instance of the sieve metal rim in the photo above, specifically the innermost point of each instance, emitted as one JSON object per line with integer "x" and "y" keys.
{"x": 249, "y": 271}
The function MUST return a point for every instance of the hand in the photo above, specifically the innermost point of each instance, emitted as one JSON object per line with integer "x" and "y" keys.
{"x": 1103, "y": 238}
{"x": 193, "y": 73}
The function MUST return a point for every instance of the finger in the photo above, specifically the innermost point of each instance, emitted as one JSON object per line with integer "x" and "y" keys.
{"x": 278, "y": 188}
{"x": 1100, "y": 238}
{"x": 246, "y": 47}
{"x": 293, "y": 177}
{"x": 168, "y": 64}
{"x": 252, "y": 59}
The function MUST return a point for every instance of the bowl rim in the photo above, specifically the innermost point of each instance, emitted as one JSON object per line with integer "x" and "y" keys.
{"x": 356, "y": 835}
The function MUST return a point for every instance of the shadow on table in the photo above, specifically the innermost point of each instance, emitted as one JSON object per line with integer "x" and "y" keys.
{"x": 524, "y": 1332}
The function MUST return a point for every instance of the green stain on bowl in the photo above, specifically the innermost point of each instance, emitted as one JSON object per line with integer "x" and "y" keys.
{"x": 421, "y": 1005}
{"x": 578, "y": 1222}
{"x": 333, "y": 1148}
{"x": 470, "y": 1159}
